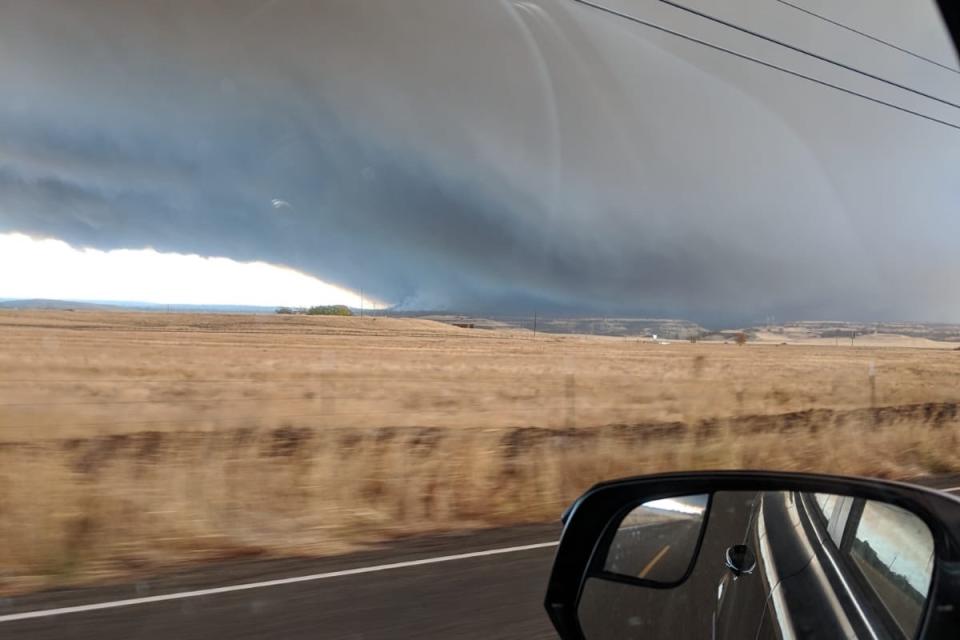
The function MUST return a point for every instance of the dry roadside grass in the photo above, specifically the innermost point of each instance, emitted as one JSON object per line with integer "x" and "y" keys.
{"x": 130, "y": 442}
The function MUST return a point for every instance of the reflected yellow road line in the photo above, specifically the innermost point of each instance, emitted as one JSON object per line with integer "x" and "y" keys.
{"x": 654, "y": 561}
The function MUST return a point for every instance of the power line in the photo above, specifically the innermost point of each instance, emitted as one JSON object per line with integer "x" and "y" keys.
{"x": 805, "y": 52}
{"x": 764, "y": 63}
{"x": 868, "y": 36}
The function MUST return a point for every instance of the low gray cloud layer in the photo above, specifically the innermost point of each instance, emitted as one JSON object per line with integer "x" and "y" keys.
{"x": 504, "y": 155}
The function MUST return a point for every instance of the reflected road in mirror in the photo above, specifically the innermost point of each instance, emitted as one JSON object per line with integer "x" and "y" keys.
{"x": 657, "y": 540}
{"x": 820, "y": 566}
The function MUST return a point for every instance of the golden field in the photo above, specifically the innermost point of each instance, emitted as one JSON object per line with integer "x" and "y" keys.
{"x": 131, "y": 442}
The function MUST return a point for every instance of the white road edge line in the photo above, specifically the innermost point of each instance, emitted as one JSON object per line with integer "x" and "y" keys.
{"x": 43, "y": 613}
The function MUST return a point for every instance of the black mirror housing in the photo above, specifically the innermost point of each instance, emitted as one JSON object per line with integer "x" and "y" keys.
{"x": 590, "y": 520}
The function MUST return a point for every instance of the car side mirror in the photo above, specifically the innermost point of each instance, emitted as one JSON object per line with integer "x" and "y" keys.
{"x": 756, "y": 554}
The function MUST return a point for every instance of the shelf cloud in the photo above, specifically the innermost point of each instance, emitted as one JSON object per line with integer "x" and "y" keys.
{"x": 490, "y": 155}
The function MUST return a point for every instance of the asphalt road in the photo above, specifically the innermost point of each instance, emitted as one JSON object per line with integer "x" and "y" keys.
{"x": 488, "y": 584}
{"x": 616, "y": 611}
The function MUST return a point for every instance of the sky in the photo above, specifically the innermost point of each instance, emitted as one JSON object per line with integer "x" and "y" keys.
{"x": 504, "y": 155}
{"x": 53, "y": 270}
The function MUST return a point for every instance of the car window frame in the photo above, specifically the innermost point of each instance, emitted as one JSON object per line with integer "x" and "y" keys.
{"x": 852, "y": 575}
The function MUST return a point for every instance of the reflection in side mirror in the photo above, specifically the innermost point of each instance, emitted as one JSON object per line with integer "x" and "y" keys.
{"x": 893, "y": 550}
{"x": 657, "y": 541}
{"x": 760, "y": 564}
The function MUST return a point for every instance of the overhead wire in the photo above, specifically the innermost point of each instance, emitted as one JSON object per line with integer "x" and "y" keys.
{"x": 765, "y": 63}
{"x": 806, "y": 52}
{"x": 869, "y": 36}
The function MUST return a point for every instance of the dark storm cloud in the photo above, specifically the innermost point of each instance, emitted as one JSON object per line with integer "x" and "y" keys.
{"x": 477, "y": 154}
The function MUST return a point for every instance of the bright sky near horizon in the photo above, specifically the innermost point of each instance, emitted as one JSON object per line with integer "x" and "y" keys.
{"x": 48, "y": 268}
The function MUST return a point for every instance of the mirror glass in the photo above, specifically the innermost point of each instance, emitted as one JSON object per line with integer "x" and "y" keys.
{"x": 768, "y": 564}
{"x": 657, "y": 540}
{"x": 893, "y": 551}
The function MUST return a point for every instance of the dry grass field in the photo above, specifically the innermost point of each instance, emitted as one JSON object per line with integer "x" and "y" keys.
{"x": 131, "y": 442}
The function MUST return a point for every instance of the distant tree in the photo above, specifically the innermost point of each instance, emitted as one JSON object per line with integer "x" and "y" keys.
{"x": 287, "y": 311}
{"x": 330, "y": 310}
{"x": 741, "y": 338}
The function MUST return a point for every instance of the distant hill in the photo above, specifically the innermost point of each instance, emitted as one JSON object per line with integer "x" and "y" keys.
{"x": 668, "y": 328}
{"x": 809, "y": 331}
{"x": 40, "y": 303}
{"x": 838, "y": 330}
{"x": 199, "y": 308}
{"x": 121, "y": 305}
